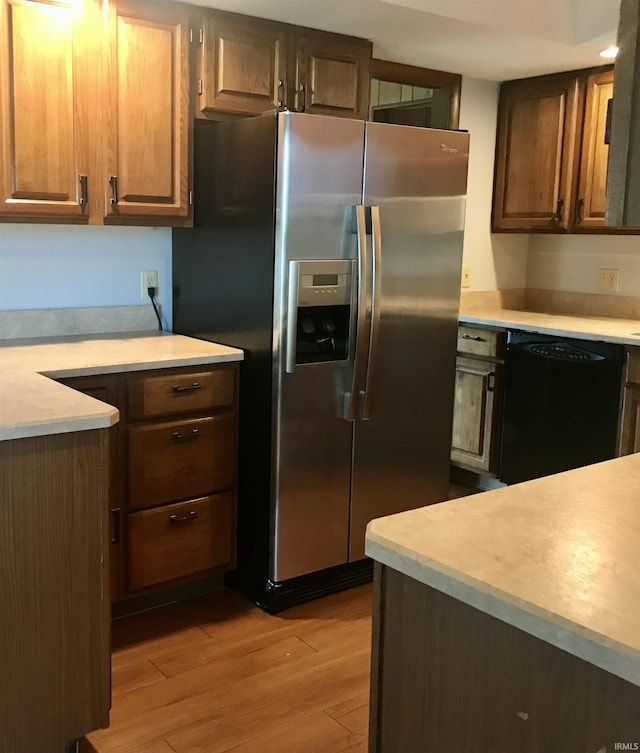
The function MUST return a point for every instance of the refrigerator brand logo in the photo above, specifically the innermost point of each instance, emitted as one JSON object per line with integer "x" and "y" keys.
{"x": 448, "y": 149}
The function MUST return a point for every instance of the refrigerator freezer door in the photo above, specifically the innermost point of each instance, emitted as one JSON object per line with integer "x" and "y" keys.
{"x": 319, "y": 181}
{"x": 417, "y": 177}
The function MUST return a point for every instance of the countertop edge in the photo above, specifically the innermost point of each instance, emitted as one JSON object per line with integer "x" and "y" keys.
{"x": 502, "y": 320}
{"x": 61, "y": 426}
{"x": 120, "y": 368}
{"x": 577, "y": 640}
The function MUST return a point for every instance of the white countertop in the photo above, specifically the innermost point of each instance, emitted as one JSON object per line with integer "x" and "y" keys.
{"x": 623, "y": 331}
{"x": 557, "y": 557}
{"x": 33, "y": 405}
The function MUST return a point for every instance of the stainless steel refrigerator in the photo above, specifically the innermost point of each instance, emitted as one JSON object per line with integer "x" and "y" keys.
{"x": 329, "y": 250}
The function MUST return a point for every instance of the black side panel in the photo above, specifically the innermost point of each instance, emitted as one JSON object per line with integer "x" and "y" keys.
{"x": 223, "y": 291}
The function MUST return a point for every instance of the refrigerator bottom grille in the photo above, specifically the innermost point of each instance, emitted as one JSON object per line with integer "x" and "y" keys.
{"x": 276, "y": 597}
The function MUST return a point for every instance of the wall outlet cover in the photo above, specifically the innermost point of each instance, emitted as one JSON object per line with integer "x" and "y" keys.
{"x": 465, "y": 278}
{"x": 607, "y": 281}
{"x": 149, "y": 280}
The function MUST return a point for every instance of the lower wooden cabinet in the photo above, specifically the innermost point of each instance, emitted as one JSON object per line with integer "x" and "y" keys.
{"x": 182, "y": 539}
{"x": 172, "y": 492}
{"x": 179, "y": 459}
{"x": 477, "y": 399}
{"x": 629, "y": 432}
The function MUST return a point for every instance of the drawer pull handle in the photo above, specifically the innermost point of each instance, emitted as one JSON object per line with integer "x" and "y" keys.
{"x": 195, "y": 433}
{"x": 187, "y": 388}
{"x": 475, "y": 338}
{"x": 184, "y": 518}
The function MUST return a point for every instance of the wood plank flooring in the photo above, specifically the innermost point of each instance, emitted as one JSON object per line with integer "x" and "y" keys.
{"x": 216, "y": 674}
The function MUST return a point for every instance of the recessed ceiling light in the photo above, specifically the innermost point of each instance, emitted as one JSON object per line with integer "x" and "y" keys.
{"x": 610, "y": 52}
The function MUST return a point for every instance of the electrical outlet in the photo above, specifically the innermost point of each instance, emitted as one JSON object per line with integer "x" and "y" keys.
{"x": 607, "y": 280}
{"x": 149, "y": 280}
{"x": 465, "y": 279}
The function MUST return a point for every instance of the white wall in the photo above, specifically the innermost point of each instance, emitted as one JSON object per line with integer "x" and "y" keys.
{"x": 59, "y": 266}
{"x": 496, "y": 261}
{"x": 571, "y": 262}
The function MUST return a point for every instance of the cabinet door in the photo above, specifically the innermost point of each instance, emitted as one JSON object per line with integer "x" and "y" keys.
{"x": 332, "y": 75}
{"x": 591, "y": 201}
{"x": 148, "y": 118}
{"x": 42, "y": 155}
{"x": 243, "y": 65}
{"x": 474, "y": 416}
{"x": 536, "y": 153}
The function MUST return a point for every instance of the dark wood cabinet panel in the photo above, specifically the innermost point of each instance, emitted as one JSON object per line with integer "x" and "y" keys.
{"x": 446, "y": 676}
{"x": 591, "y": 201}
{"x": 158, "y": 463}
{"x": 551, "y": 155}
{"x": 332, "y": 75}
{"x": 248, "y": 66}
{"x": 243, "y": 65}
{"x": 180, "y": 459}
{"x": 107, "y": 389}
{"x": 177, "y": 540}
{"x": 176, "y": 393}
{"x": 536, "y": 153}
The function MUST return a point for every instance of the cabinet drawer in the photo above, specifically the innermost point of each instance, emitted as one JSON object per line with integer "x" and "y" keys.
{"x": 178, "y": 540}
{"x": 166, "y": 395}
{"x": 180, "y": 459}
{"x": 480, "y": 342}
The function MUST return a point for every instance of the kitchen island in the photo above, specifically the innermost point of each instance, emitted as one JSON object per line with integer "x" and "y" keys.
{"x": 54, "y": 528}
{"x": 509, "y": 621}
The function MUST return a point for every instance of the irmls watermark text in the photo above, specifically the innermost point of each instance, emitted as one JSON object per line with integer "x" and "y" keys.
{"x": 626, "y": 746}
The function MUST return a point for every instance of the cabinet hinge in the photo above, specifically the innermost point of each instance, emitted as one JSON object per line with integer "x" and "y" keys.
{"x": 190, "y": 198}
{"x": 199, "y": 86}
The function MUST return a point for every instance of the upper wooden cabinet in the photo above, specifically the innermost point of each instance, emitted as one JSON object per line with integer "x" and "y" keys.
{"x": 147, "y": 154}
{"x": 94, "y": 112}
{"x": 591, "y": 202}
{"x": 551, "y": 159}
{"x": 248, "y": 66}
{"x": 243, "y": 65}
{"x": 44, "y": 154}
{"x": 332, "y": 75}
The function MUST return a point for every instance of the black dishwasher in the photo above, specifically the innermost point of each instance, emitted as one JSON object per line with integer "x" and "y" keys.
{"x": 561, "y": 404}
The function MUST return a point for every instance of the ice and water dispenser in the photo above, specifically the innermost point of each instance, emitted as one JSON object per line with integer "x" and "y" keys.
{"x": 320, "y": 300}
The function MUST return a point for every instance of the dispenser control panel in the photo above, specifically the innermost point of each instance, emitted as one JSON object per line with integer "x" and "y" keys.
{"x": 323, "y": 283}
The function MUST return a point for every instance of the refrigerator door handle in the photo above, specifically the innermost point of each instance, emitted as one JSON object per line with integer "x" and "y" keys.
{"x": 355, "y": 398}
{"x": 376, "y": 266}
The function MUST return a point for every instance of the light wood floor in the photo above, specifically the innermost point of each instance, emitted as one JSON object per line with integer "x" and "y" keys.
{"x": 216, "y": 674}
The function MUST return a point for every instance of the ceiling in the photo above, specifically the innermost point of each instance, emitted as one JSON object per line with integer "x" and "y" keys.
{"x": 491, "y": 39}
